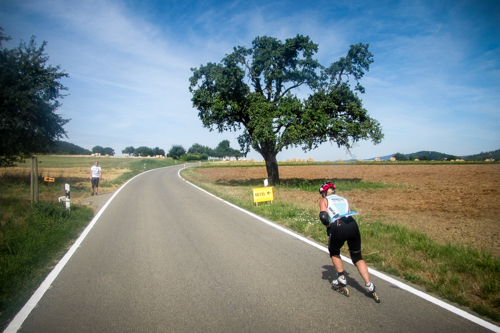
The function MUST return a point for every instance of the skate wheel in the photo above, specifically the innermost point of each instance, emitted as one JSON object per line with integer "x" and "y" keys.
{"x": 343, "y": 290}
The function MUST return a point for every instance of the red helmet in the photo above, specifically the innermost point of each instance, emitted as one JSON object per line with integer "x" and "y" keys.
{"x": 326, "y": 186}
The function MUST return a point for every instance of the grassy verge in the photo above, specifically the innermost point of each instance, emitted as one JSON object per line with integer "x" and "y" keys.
{"x": 463, "y": 275}
{"x": 28, "y": 250}
{"x": 34, "y": 238}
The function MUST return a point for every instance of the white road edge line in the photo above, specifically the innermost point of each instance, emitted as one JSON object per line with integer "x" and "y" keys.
{"x": 382, "y": 276}
{"x": 21, "y": 316}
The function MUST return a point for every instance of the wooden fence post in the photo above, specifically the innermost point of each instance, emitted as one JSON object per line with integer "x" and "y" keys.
{"x": 34, "y": 180}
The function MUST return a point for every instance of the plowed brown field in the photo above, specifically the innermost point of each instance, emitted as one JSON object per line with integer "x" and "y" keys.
{"x": 450, "y": 203}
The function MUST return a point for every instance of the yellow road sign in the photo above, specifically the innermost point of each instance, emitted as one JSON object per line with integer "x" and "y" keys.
{"x": 48, "y": 179}
{"x": 262, "y": 194}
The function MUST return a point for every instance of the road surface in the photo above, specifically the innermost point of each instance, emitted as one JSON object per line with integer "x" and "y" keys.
{"x": 164, "y": 256}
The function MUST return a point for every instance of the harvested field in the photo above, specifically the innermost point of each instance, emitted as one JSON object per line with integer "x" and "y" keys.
{"x": 76, "y": 176}
{"x": 457, "y": 204}
{"x": 75, "y": 173}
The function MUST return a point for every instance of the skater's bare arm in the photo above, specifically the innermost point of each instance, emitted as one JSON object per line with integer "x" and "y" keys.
{"x": 323, "y": 205}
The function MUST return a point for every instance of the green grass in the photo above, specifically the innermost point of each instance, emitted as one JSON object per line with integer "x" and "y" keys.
{"x": 28, "y": 249}
{"x": 463, "y": 275}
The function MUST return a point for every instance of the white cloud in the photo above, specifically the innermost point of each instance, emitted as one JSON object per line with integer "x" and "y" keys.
{"x": 432, "y": 86}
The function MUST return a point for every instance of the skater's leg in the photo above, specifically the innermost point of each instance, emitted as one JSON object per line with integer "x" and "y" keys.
{"x": 363, "y": 271}
{"x": 340, "y": 283}
{"x": 338, "y": 263}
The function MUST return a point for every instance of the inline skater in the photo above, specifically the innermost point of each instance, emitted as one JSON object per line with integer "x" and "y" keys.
{"x": 341, "y": 227}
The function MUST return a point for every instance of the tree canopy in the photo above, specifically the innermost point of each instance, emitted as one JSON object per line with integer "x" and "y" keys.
{"x": 67, "y": 148}
{"x": 129, "y": 150}
{"x": 222, "y": 150}
{"x": 267, "y": 109}
{"x": 400, "y": 157}
{"x": 197, "y": 149}
{"x": 104, "y": 150}
{"x": 29, "y": 93}
{"x": 143, "y": 151}
{"x": 176, "y": 152}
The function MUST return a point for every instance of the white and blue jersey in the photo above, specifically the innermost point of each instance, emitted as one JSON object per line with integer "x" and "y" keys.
{"x": 337, "y": 207}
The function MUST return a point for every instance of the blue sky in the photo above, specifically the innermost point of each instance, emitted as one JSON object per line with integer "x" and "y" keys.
{"x": 434, "y": 85}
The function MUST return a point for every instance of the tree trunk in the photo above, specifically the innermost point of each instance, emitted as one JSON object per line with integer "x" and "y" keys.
{"x": 273, "y": 174}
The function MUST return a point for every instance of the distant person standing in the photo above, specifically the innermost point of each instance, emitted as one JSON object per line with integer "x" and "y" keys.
{"x": 95, "y": 176}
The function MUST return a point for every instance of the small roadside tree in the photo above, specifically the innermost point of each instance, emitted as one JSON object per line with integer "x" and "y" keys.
{"x": 400, "y": 157}
{"x": 224, "y": 150}
{"x": 143, "y": 151}
{"x": 176, "y": 152}
{"x": 197, "y": 149}
{"x": 271, "y": 116}
{"x": 157, "y": 151}
{"x": 129, "y": 150}
{"x": 108, "y": 151}
{"x": 98, "y": 150}
{"x": 29, "y": 93}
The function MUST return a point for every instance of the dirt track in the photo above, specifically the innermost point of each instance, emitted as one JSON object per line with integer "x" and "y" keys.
{"x": 450, "y": 203}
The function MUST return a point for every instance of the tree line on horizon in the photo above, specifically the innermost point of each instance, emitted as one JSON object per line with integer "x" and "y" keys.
{"x": 195, "y": 152}
{"x": 200, "y": 152}
{"x": 495, "y": 154}
{"x": 143, "y": 151}
{"x": 436, "y": 156}
{"x": 66, "y": 148}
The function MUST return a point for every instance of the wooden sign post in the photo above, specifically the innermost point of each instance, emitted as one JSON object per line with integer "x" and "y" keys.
{"x": 34, "y": 180}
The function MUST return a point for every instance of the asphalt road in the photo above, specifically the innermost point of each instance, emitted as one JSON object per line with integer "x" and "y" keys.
{"x": 166, "y": 257}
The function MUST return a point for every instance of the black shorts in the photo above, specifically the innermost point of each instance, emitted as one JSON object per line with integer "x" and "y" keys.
{"x": 347, "y": 230}
{"x": 95, "y": 182}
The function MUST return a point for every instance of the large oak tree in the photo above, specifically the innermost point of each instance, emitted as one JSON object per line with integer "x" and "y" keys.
{"x": 255, "y": 90}
{"x": 29, "y": 93}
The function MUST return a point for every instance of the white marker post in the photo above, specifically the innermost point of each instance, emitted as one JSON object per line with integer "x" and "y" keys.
{"x": 67, "y": 197}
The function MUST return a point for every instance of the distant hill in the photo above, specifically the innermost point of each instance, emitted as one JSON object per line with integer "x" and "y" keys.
{"x": 483, "y": 156}
{"x": 436, "y": 156}
{"x": 66, "y": 148}
{"x": 431, "y": 155}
